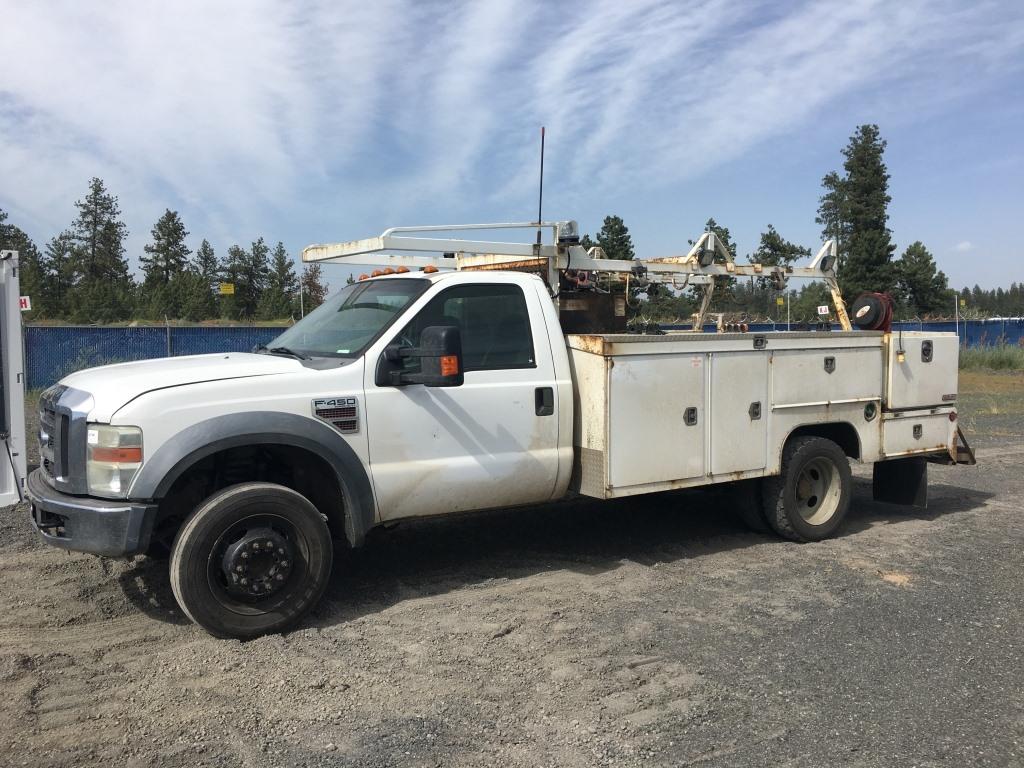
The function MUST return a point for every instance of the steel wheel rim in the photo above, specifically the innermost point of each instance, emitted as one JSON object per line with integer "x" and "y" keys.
{"x": 255, "y": 606}
{"x": 818, "y": 489}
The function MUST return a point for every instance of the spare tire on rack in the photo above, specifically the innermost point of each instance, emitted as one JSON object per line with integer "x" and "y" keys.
{"x": 872, "y": 312}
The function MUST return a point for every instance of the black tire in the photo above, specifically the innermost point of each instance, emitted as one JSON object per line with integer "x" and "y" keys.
{"x": 274, "y": 538}
{"x": 745, "y": 498}
{"x": 810, "y": 499}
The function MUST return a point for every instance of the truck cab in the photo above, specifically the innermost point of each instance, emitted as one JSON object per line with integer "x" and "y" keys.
{"x": 330, "y": 412}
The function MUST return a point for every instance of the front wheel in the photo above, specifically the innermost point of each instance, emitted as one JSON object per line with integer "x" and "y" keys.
{"x": 809, "y": 500}
{"x": 251, "y": 560}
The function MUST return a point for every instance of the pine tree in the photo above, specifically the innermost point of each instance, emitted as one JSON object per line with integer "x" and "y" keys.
{"x": 102, "y": 285}
{"x": 853, "y": 210}
{"x": 922, "y": 285}
{"x": 615, "y": 240}
{"x": 282, "y": 285}
{"x": 58, "y": 270}
{"x": 248, "y": 271}
{"x": 196, "y": 283}
{"x": 205, "y": 263}
{"x": 232, "y": 270}
{"x": 314, "y": 290}
{"x": 774, "y": 250}
{"x": 167, "y": 254}
{"x": 164, "y": 288}
{"x": 832, "y": 213}
{"x": 194, "y": 296}
{"x": 256, "y": 274}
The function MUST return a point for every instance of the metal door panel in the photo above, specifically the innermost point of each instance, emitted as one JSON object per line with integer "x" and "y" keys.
{"x": 648, "y": 439}
{"x": 739, "y": 411}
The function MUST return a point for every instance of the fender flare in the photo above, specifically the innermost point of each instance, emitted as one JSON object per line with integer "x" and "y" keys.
{"x": 823, "y": 429}
{"x": 196, "y": 442}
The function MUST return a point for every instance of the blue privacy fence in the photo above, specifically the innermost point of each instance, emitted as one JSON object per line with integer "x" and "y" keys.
{"x": 52, "y": 352}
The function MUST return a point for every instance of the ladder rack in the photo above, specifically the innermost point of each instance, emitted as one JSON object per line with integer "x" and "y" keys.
{"x": 708, "y": 261}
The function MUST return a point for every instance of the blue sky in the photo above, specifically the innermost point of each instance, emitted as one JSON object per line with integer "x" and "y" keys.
{"x": 325, "y": 121}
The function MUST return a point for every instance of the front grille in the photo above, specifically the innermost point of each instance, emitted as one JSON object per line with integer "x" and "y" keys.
{"x": 48, "y": 438}
{"x": 54, "y": 434}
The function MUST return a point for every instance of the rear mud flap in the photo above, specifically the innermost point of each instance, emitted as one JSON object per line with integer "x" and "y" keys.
{"x": 901, "y": 481}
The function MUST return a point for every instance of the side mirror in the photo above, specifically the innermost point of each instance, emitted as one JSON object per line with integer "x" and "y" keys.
{"x": 440, "y": 354}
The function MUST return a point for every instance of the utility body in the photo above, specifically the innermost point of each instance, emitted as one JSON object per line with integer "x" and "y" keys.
{"x": 434, "y": 392}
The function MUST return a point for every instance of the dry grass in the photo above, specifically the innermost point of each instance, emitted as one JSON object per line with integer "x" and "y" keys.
{"x": 991, "y": 404}
{"x": 1002, "y": 357}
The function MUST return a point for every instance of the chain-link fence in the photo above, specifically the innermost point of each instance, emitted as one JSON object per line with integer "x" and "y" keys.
{"x": 52, "y": 352}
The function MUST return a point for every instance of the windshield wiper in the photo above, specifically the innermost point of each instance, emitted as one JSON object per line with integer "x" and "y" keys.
{"x": 283, "y": 351}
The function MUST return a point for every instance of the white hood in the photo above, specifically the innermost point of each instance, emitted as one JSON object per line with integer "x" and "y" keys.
{"x": 112, "y": 386}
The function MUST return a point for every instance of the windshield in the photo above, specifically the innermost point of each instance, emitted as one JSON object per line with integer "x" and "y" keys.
{"x": 348, "y": 322}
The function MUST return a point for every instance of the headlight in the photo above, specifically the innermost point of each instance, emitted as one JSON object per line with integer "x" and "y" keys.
{"x": 113, "y": 456}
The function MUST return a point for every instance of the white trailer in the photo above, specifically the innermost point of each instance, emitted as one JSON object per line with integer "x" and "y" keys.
{"x": 12, "y": 384}
{"x": 451, "y": 382}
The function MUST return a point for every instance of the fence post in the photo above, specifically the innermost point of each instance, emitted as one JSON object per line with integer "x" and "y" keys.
{"x": 167, "y": 328}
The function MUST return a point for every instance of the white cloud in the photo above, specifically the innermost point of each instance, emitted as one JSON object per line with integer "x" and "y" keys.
{"x": 245, "y": 113}
{"x": 964, "y": 246}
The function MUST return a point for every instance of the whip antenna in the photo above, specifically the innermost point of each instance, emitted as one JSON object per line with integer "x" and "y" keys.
{"x": 540, "y": 199}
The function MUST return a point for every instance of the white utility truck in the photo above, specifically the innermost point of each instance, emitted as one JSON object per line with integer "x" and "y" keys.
{"x": 473, "y": 375}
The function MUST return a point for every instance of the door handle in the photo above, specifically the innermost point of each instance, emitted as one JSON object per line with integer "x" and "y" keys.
{"x": 544, "y": 401}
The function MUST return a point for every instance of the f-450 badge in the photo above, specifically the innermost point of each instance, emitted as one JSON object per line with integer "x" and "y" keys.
{"x": 342, "y": 413}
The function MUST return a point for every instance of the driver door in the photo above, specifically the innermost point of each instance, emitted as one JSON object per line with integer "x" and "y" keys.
{"x": 491, "y": 442}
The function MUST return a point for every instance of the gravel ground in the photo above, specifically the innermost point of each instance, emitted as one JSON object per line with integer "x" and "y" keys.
{"x": 653, "y": 632}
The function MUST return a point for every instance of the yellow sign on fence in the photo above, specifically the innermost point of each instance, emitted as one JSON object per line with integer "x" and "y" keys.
{"x": 780, "y": 301}
{"x": 227, "y": 289}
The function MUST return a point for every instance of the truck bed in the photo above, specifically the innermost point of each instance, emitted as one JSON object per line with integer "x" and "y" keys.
{"x": 656, "y": 412}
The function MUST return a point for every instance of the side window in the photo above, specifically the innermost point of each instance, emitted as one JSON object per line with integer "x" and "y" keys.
{"x": 493, "y": 322}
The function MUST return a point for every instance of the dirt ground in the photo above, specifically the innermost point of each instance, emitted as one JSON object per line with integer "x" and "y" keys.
{"x": 653, "y": 632}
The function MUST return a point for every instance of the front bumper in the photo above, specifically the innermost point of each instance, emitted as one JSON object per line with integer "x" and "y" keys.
{"x": 110, "y": 527}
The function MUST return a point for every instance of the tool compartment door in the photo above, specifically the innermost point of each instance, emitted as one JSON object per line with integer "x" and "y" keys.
{"x": 927, "y": 374}
{"x": 909, "y": 432}
{"x": 739, "y": 411}
{"x": 653, "y": 436}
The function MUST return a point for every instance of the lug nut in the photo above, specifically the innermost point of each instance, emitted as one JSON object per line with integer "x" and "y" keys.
{"x": 243, "y": 580}
{"x": 255, "y": 545}
{"x": 284, "y": 563}
{"x": 245, "y": 555}
{"x": 270, "y": 545}
{"x": 280, "y": 577}
{"x": 239, "y": 568}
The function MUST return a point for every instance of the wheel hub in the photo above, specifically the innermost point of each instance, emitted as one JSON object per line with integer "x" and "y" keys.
{"x": 258, "y": 564}
{"x": 817, "y": 491}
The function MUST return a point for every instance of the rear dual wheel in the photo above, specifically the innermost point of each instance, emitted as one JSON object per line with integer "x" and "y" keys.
{"x": 251, "y": 560}
{"x": 810, "y": 498}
